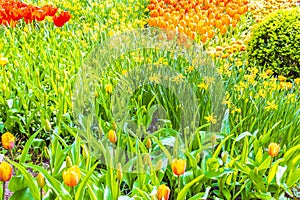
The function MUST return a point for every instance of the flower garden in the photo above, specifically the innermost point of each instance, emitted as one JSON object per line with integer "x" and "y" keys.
{"x": 150, "y": 99}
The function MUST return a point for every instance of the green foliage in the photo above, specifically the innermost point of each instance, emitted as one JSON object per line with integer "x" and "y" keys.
{"x": 275, "y": 43}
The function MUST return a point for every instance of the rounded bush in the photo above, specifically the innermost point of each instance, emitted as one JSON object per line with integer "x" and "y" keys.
{"x": 275, "y": 43}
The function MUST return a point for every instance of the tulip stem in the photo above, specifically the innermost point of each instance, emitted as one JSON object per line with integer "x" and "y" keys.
{"x": 73, "y": 189}
{"x": 11, "y": 155}
{"x": 3, "y": 195}
{"x": 41, "y": 193}
{"x": 178, "y": 184}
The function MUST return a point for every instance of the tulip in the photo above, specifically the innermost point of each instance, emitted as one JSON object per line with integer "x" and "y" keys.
{"x": 40, "y": 180}
{"x": 273, "y": 149}
{"x": 71, "y": 176}
{"x": 178, "y": 166}
{"x": 108, "y": 88}
{"x": 61, "y": 19}
{"x": 6, "y": 171}
{"x": 8, "y": 140}
{"x": 112, "y": 136}
{"x": 163, "y": 192}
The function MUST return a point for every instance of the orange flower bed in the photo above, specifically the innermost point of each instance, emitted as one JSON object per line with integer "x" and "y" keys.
{"x": 204, "y": 18}
{"x": 11, "y": 12}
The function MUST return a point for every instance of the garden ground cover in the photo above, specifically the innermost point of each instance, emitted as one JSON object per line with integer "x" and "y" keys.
{"x": 65, "y": 66}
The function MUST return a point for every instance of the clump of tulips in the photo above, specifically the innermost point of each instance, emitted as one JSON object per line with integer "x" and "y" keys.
{"x": 12, "y": 12}
{"x": 204, "y": 18}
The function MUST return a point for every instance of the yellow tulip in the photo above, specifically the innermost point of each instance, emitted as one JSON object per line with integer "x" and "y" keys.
{"x": 112, "y": 136}
{"x": 6, "y": 171}
{"x": 163, "y": 192}
{"x": 8, "y": 140}
{"x": 178, "y": 166}
{"x": 71, "y": 176}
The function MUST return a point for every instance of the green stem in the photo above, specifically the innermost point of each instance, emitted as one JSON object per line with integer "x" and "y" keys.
{"x": 178, "y": 184}
{"x": 11, "y": 154}
{"x": 3, "y": 195}
{"x": 73, "y": 189}
{"x": 41, "y": 194}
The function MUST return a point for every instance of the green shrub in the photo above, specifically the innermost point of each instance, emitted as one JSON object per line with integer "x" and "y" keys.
{"x": 275, "y": 43}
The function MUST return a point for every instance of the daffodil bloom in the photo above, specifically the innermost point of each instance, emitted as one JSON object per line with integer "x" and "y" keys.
{"x": 211, "y": 119}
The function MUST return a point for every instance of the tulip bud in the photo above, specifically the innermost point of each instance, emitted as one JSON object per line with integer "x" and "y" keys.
{"x": 108, "y": 88}
{"x": 163, "y": 192}
{"x": 178, "y": 166}
{"x": 69, "y": 162}
{"x": 47, "y": 125}
{"x": 3, "y": 87}
{"x": 114, "y": 126}
{"x": 112, "y": 136}
{"x": 96, "y": 94}
{"x": 273, "y": 149}
{"x": 40, "y": 180}
{"x": 159, "y": 164}
{"x": 6, "y": 171}
{"x": 119, "y": 171}
{"x": 224, "y": 157}
{"x": 8, "y": 140}
{"x": 148, "y": 143}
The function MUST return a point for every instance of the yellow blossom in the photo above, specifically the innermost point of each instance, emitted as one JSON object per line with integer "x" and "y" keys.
{"x": 271, "y": 106}
{"x": 203, "y": 86}
{"x": 211, "y": 119}
{"x": 178, "y": 78}
{"x": 155, "y": 79}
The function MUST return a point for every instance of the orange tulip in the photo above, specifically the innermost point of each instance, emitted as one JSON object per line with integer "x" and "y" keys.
{"x": 8, "y": 140}
{"x": 178, "y": 166}
{"x": 273, "y": 149}
{"x": 6, "y": 171}
{"x": 163, "y": 192}
{"x": 71, "y": 176}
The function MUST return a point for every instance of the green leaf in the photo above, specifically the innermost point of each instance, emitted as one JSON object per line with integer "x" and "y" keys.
{"x": 27, "y": 146}
{"x": 53, "y": 183}
{"x": 81, "y": 189}
{"x": 273, "y": 170}
{"x": 287, "y": 156}
{"x": 17, "y": 183}
{"x": 217, "y": 151}
{"x": 23, "y": 194}
{"x": 293, "y": 178}
{"x": 186, "y": 188}
{"x": 29, "y": 179}
{"x": 265, "y": 164}
{"x": 279, "y": 174}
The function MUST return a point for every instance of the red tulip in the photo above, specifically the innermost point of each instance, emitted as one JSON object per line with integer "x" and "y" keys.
{"x": 61, "y": 19}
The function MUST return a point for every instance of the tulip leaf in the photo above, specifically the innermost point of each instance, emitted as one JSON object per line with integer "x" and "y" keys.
{"x": 293, "y": 177}
{"x": 53, "y": 183}
{"x": 186, "y": 188}
{"x": 27, "y": 146}
{"x": 22, "y": 194}
{"x": 273, "y": 170}
{"x": 81, "y": 189}
{"x": 32, "y": 186}
{"x": 217, "y": 151}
